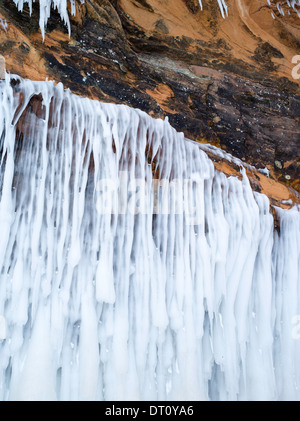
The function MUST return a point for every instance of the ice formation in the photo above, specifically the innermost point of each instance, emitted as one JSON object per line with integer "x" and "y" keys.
{"x": 130, "y": 267}
{"x": 3, "y": 24}
{"x": 45, "y": 10}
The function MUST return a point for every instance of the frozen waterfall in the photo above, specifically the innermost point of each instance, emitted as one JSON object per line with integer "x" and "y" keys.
{"x": 130, "y": 267}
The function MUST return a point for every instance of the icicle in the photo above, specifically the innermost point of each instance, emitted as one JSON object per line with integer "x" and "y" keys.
{"x": 45, "y": 10}
{"x": 221, "y": 6}
{"x": 130, "y": 266}
{"x": 3, "y": 24}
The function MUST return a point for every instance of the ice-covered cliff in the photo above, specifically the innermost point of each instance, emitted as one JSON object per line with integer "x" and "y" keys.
{"x": 130, "y": 267}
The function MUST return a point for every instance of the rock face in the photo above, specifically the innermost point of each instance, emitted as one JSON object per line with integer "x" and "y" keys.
{"x": 227, "y": 82}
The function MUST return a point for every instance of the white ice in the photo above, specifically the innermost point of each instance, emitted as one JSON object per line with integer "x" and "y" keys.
{"x": 130, "y": 267}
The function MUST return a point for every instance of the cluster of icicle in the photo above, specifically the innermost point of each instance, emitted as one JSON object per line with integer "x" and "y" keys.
{"x": 292, "y": 4}
{"x": 62, "y": 7}
{"x": 222, "y": 6}
{"x": 108, "y": 296}
{"x": 45, "y": 10}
